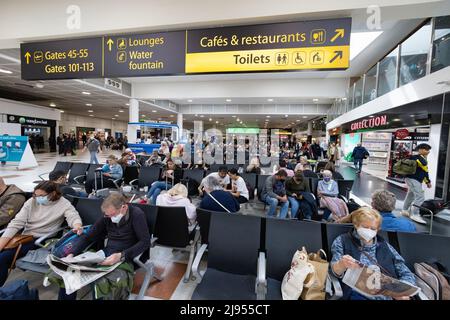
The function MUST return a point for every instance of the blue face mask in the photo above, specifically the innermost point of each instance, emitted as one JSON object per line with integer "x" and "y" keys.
{"x": 43, "y": 200}
{"x": 327, "y": 179}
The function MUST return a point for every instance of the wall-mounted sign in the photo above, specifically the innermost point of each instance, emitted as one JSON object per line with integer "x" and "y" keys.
{"x": 62, "y": 59}
{"x": 31, "y": 121}
{"x": 401, "y": 134}
{"x": 367, "y": 123}
{"x": 320, "y": 44}
{"x": 147, "y": 54}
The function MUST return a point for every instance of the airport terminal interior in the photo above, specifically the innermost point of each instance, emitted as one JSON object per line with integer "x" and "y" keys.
{"x": 237, "y": 150}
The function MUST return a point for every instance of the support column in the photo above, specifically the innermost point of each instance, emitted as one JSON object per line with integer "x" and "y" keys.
{"x": 133, "y": 117}
{"x": 309, "y": 132}
{"x": 180, "y": 127}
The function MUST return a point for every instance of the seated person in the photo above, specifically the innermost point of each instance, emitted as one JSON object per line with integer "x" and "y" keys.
{"x": 60, "y": 177}
{"x": 274, "y": 193}
{"x": 328, "y": 192}
{"x": 111, "y": 171}
{"x": 164, "y": 150}
{"x": 362, "y": 243}
{"x": 154, "y": 158}
{"x": 308, "y": 173}
{"x": 11, "y": 201}
{"x": 128, "y": 235}
{"x": 239, "y": 189}
{"x": 330, "y": 166}
{"x": 128, "y": 158}
{"x": 384, "y": 202}
{"x": 296, "y": 187}
{"x": 221, "y": 176}
{"x": 216, "y": 199}
{"x": 254, "y": 166}
{"x": 177, "y": 196}
{"x": 283, "y": 166}
{"x": 303, "y": 162}
{"x": 39, "y": 216}
{"x": 170, "y": 176}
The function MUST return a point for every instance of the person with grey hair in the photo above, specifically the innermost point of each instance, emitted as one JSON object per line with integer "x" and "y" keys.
{"x": 328, "y": 192}
{"x": 384, "y": 202}
{"x": 216, "y": 199}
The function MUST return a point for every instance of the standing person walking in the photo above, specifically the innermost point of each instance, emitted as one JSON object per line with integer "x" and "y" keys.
{"x": 93, "y": 145}
{"x": 359, "y": 154}
{"x": 416, "y": 194}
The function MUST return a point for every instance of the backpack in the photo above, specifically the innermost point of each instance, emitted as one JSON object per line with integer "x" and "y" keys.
{"x": 251, "y": 191}
{"x": 192, "y": 186}
{"x": 434, "y": 205}
{"x": 18, "y": 290}
{"x": 69, "y": 244}
{"x": 279, "y": 189}
{"x": 352, "y": 205}
{"x": 432, "y": 282}
{"x": 405, "y": 167}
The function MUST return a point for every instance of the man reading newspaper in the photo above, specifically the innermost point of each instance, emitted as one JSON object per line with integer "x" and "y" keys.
{"x": 109, "y": 270}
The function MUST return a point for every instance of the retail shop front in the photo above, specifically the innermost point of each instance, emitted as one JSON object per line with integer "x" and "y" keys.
{"x": 41, "y": 132}
{"x": 395, "y": 133}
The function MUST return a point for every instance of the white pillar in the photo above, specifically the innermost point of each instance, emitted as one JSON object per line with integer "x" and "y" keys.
{"x": 133, "y": 117}
{"x": 180, "y": 126}
{"x": 310, "y": 129}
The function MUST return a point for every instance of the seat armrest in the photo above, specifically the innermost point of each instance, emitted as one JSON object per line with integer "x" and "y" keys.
{"x": 40, "y": 175}
{"x": 2, "y": 231}
{"x": 340, "y": 196}
{"x": 40, "y": 240}
{"x": 137, "y": 259}
{"x": 261, "y": 282}
{"x": 197, "y": 260}
{"x": 79, "y": 177}
{"x": 132, "y": 182}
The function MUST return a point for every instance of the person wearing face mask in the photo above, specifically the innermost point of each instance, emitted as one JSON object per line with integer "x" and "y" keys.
{"x": 274, "y": 193}
{"x": 110, "y": 171}
{"x": 126, "y": 229}
{"x": 42, "y": 214}
{"x": 328, "y": 192}
{"x": 363, "y": 245}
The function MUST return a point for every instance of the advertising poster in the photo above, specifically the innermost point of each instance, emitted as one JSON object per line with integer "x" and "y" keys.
{"x": 12, "y": 148}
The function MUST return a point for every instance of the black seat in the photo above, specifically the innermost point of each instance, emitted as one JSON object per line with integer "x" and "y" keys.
{"x": 320, "y": 165}
{"x": 283, "y": 239}
{"x": 77, "y": 174}
{"x": 417, "y": 247}
{"x": 194, "y": 174}
{"x": 250, "y": 178}
{"x": 147, "y": 175}
{"x": 232, "y": 261}
{"x": 62, "y": 166}
{"x": 215, "y": 167}
{"x": 172, "y": 230}
{"x": 345, "y": 186}
{"x": 90, "y": 175}
{"x": 89, "y": 209}
{"x": 151, "y": 213}
{"x": 130, "y": 173}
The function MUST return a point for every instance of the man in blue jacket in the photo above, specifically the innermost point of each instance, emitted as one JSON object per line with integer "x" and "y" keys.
{"x": 416, "y": 194}
{"x": 359, "y": 154}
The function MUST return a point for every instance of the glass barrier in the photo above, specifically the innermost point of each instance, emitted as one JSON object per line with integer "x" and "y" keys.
{"x": 387, "y": 73}
{"x": 441, "y": 44}
{"x": 370, "y": 86}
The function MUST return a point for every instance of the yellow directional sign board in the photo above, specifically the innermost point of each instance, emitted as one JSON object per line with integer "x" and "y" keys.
{"x": 311, "y": 45}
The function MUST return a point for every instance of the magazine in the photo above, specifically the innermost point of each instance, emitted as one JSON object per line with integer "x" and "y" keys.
{"x": 370, "y": 282}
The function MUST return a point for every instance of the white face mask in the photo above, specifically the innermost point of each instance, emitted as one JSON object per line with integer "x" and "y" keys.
{"x": 116, "y": 219}
{"x": 366, "y": 233}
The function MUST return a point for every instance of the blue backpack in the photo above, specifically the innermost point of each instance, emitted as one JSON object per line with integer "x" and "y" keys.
{"x": 18, "y": 290}
{"x": 69, "y": 244}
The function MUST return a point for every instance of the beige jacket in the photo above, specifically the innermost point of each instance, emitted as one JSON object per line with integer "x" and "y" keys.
{"x": 39, "y": 220}
{"x": 11, "y": 200}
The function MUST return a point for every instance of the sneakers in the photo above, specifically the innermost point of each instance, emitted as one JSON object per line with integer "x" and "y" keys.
{"x": 417, "y": 218}
{"x": 405, "y": 213}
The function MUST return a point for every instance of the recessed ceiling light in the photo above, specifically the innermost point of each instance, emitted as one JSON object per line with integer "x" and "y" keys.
{"x": 154, "y": 111}
{"x": 270, "y": 100}
{"x": 315, "y": 100}
{"x": 190, "y": 100}
{"x": 90, "y": 110}
{"x": 91, "y": 115}
{"x": 52, "y": 104}
{"x": 201, "y": 116}
{"x": 344, "y": 99}
{"x": 86, "y": 93}
{"x": 285, "y": 115}
{"x": 5, "y": 71}
{"x": 116, "y": 115}
{"x": 121, "y": 110}
{"x": 210, "y": 119}
{"x": 297, "y": 120}
{"x": 304, "y": 117}
{"x": 143, "y": 116}
{"x": 62, "y": 111}
{"x": 234, "y": 116}
{"x": 217, "y": 121}
{"x": 267, "y": 116}
{"x": 89, "y": 104}
{"x": 127, "y": 104}
{"x": 113, "y": 118}
{"x": 238, "y": 120}
{"x": 39, "y": 85}
{"x": 228, "y": 100}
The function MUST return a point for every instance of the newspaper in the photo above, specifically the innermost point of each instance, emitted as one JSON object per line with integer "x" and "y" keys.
{"x": 370, "y": 282}
{"x": 86, "y": 258}
{"x": 77, "y": 275}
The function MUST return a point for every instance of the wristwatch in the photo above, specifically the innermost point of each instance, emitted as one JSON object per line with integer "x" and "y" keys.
{"x": 122, "y": 256}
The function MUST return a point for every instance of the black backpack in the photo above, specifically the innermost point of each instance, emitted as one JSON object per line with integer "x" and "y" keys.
{"x": 435, "y": 206}
{"x": 352, "y": 205}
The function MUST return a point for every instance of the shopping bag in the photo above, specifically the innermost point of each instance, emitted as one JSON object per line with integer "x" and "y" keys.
{"x": 315, "y": 288}
{"x": 294, "y": 279}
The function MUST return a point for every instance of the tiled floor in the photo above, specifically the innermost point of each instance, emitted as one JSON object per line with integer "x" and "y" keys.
{"x": 172, "y": 265}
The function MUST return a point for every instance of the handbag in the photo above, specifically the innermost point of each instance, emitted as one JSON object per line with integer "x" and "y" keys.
{"x": 16, "y": 242}
{"x": 294, "y": 280}
{"x": 315, "y": 289}
{"x": 434, "y": 280}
